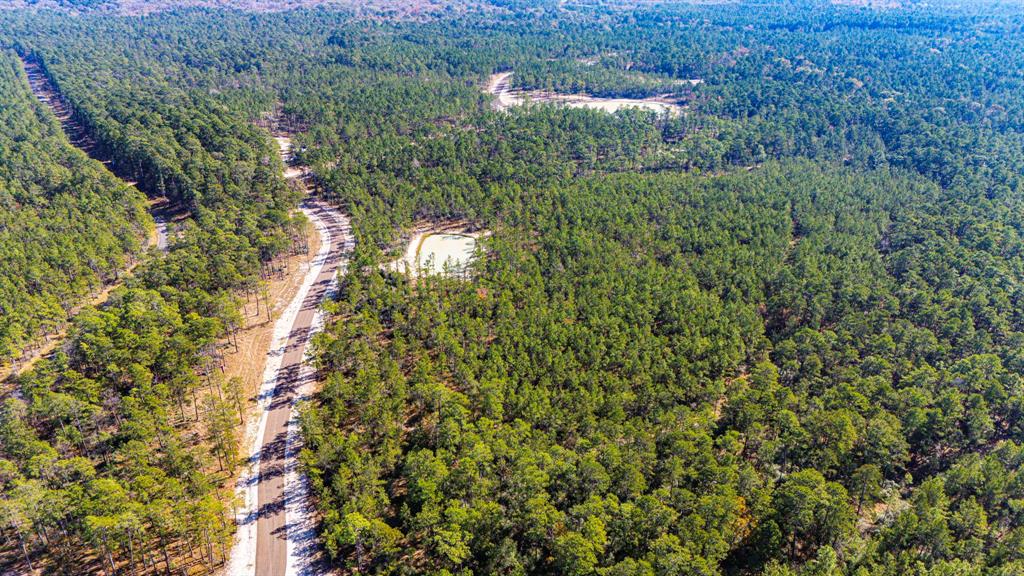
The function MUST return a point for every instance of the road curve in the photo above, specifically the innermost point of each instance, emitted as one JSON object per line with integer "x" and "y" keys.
{"x": 276, "y": 529}
{"x": 500, "y": 86}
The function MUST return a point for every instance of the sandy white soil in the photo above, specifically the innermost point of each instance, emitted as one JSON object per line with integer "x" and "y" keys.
{"x": 440, "y": 250}
{"x": 300, "y": 518}
{"x": 612, "y": 104}
{"x": 500, "y": 86}
{"x": 434, "y": 245}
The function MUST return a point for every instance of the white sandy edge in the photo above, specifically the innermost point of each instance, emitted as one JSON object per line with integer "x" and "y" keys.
{"x": 499, "y": 85}
{"x": 243, "y": 554}
{"x": 300, "y": 517}
{"x": 410, "y": 262}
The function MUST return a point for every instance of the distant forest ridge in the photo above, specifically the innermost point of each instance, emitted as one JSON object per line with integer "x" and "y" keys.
{"x": 424, "y": 10}
{"x": 414, "y": 8}
{"x": 141, "y": 7}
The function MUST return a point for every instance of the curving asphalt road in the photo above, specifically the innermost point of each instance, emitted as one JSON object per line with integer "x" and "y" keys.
{"x": 276, "y": 528}
{"x": 279, "y": 491}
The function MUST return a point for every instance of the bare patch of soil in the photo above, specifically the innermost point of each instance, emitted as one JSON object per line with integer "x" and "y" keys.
{"x": 500, "y": 86}
{"x": 254, "y": 339}
{"x": 412, "y": 242}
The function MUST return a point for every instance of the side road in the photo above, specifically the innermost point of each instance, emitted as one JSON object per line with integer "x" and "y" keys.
{"x": 47, "y": 94}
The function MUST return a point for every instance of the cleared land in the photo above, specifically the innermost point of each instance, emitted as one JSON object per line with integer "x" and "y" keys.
{"x": 432, "y": 245}
{"x": 446, "y": 251}
{"x": 499, "y": 85}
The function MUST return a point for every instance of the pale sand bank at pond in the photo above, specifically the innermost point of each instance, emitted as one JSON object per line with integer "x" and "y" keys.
{"x": 432, "y": 247}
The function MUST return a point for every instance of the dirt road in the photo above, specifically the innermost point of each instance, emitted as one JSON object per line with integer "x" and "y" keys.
{"x": 46, "y": 92}
{"x": 500, "y": 85}
{"x": 276, "y": 529}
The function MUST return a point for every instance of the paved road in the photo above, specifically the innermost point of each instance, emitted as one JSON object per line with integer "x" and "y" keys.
{"x": 276, "y": 535}
{"x": 500, "y": 85}
{"x": 281, "y": 491}
{"x": 282, "y": 543}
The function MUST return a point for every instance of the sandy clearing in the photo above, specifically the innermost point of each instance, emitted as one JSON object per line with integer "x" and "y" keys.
{"x": 432, "y": 251}
{"x": 614, "y": 104}
{"x": 499, "y": 85}
{"x": 440, "y": 250}
{"x": 443, "y": 240}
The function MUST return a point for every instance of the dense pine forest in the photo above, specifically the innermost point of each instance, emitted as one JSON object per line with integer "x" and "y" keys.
{"x": 85, "y": 225}
{"x": 780, "y": 333}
